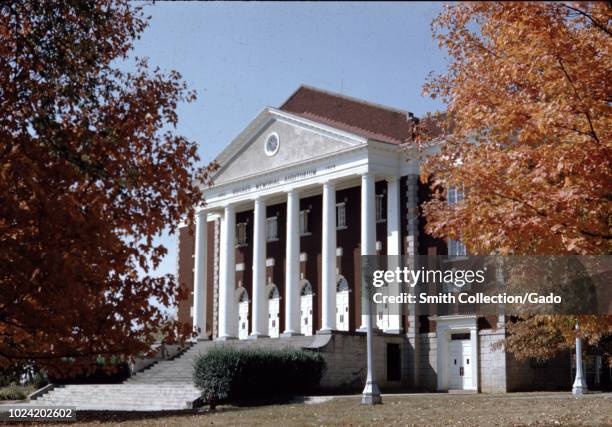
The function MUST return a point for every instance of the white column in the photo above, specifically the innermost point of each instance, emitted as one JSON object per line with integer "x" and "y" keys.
{"x": 292, "y": 266}
{"x": 394, "y": 243}
{"x": 368, "y": 225}
{"x": 199, "y": 285}
{"x": 328, "y": 255}
{"x": 260, "y": 321}
{"x": 227, "y": 275}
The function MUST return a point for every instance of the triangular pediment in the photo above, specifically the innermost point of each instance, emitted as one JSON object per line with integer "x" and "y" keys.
{"x": 299, "y": 140}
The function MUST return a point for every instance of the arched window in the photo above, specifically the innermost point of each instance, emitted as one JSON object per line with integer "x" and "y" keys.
{"x": 273, "y": 293}
{"x": 306, "y": 289}
{"x": 342, "y": 285}
{"x": 244, "y": 296}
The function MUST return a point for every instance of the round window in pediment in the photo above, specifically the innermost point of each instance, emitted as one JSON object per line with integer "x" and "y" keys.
{"x": 272, "y": 144}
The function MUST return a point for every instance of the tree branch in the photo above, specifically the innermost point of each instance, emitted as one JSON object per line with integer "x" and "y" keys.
{"x": 586, "y": 112}
{"x": 578, "y": 131}
{"x": 590, "y": 18}
{"x": 545, "y": 215}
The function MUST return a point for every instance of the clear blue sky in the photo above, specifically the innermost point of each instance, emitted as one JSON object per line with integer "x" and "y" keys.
{"x": 242, "y": 57}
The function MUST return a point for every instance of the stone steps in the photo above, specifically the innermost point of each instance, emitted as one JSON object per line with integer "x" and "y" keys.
{"x": 109, "y": 406}
{"x": 118, "y": 397}
{"x": 181, "y": 369}
{"x": 165, "y": 385}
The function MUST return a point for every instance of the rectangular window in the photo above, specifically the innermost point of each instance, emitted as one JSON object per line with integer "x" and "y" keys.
{"x": 272, "y": 229}
{"x": 340, "y": 216}
{"x": 451, "y": 195}
{"x": 241, "y": 234}
{"x": 456, "y": 248}
{"x": 454, "y": 195}
{"x": 304, "y": 230}
{"x": 380, "y": 208}
{"x": 462, "y": 336}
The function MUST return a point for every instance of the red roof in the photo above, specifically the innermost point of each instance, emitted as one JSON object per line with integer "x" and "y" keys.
{"x": 366, "y": 119}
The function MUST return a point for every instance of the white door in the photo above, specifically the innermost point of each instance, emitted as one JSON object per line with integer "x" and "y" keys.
{"x": 306, "y": 294}
{"x": 342, "y": 311}
{"x": 342, "y": 304}
{"x": 306, "y": 314}
{"x": 382, "y": 310}
{"x": 460, "y": 365}
{"x": 382, "y": 316}
{"x": 243, "y": 320}
{"x": 273, "y": 319}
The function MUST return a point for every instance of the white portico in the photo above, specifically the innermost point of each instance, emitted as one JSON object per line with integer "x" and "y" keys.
{"x": 281, "y": 157}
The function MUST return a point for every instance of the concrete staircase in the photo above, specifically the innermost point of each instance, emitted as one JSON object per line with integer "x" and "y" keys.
{"x": 122, "y": 397}
{"x": 165, "y": 385}
{"x": 180, "y": 370}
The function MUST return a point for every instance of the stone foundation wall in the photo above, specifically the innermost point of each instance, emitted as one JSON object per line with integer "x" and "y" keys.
{"x": 345, "y": 353}
{"x": 499, "y": 371}
{"x": 492, "y": 367}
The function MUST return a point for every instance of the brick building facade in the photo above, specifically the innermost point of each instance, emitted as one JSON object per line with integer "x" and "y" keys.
{"x": 302, "y": 193}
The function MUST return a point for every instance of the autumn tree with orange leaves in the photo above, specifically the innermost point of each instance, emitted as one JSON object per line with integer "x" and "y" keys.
{"x": 527, "y": 134}
{"x": 91, "y": 170}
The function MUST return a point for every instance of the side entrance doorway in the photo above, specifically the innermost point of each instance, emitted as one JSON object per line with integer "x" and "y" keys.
{"x": 457, "y": 352}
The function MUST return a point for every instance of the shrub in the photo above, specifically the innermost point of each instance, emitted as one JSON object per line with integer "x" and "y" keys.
{"x": 12, "y": 392}
{"x": 225, "y": 374}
